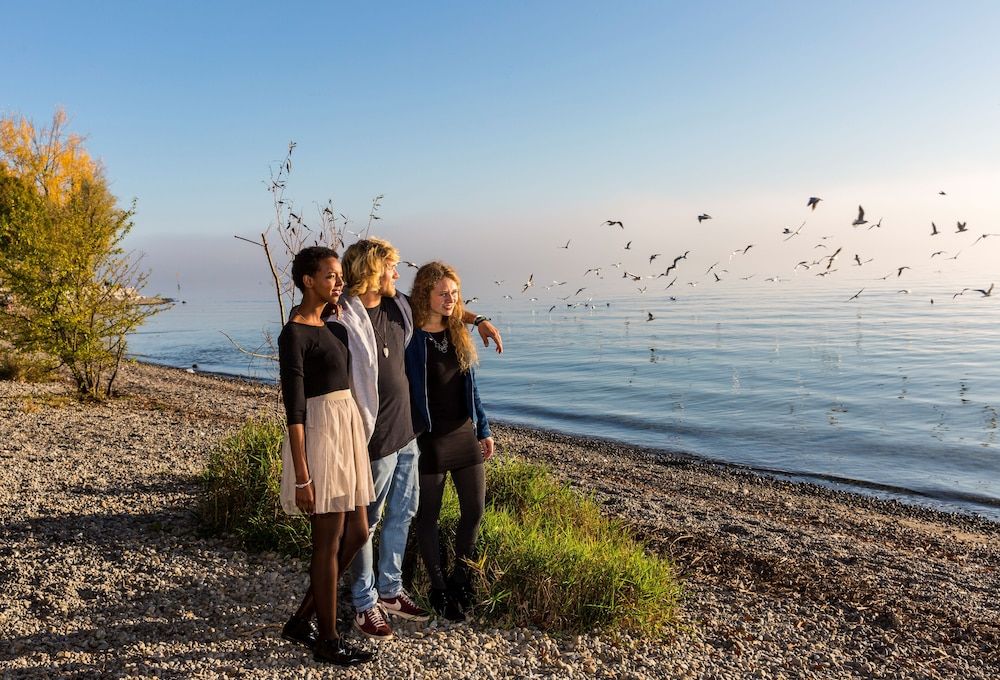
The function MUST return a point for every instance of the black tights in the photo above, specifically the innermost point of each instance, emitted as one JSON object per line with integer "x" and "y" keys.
{"x": 470, "y": 485}
{"x": 336, "y": 538}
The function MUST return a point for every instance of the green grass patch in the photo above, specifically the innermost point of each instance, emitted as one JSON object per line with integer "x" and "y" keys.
{"x": 242, "y": 484}
{"x": 28, "y": 367}
{"x": 548, "y": 557}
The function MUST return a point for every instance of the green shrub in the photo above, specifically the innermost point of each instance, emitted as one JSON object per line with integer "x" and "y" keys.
{"x": 242, "y": 485}
{"x": 550, "y": 559}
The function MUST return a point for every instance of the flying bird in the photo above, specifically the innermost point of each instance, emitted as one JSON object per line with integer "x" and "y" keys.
{"x": 982, "y": 237}
{"x": 628, "y": 246}
{"x": 566, "y": 247}
{"x": 899, "y": 271}
{"x": 934, "y": 229}
{"x": 411, "y": 264}
{"x": 986, "y": 293}
{"x": 649, "y": 316}
{"x": 813, "y": 202}
{"x": 579, "y": 290}
{"x": 529, "y": 283}
{"x": 855, "y": 296}
{"x": 790, "y": 233}
{"x": 941, "y": 193}
{"x": 498, "y": 282}
{"x": 704, "y": 216}
{"x": 470, "y": 301}
{"x": 939, "y": 252}
{"x": 653, "y": 257}
{"x": 860, "y": 219}
{"x": 961, "y": 227}
{"x": 611, "y": 223}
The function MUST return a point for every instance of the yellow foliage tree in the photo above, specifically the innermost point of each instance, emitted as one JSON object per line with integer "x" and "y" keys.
{"x": 71, "y": 291}
{"x": 51, "y": 160}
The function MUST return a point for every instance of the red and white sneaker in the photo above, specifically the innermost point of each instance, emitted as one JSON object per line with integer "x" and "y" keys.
{"x": 372, "y": 624}
{"x": 404, "y": 607}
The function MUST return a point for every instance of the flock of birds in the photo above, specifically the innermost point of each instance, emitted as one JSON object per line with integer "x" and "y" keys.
{"x": 822, "y": 266}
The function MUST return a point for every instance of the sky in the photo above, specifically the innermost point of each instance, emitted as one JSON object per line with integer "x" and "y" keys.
{"x": 498, "y": 131}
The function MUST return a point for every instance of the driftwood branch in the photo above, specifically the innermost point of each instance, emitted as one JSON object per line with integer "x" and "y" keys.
{"x": 237, "y": 345}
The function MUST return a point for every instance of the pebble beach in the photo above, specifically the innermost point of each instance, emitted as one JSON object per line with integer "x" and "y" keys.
{"x": 104, "y": 571}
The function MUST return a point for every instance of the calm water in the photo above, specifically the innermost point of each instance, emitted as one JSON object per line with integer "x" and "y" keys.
{"x": 888, "y": 394}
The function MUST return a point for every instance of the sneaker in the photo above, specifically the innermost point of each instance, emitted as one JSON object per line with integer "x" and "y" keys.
{"x": 340, "y": 653}
{"x": 446, "y": 605}
{"x": 300, "y": 631}
{"x": 404, "y": 607}
{"x": 372, "y": 624}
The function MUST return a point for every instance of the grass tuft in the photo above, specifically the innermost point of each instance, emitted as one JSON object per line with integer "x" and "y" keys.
{"x": 242, "y": 484}
{"x": 27, "y": 367}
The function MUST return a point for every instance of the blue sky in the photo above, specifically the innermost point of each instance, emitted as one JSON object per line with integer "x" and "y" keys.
{"x": 498, "y": 131}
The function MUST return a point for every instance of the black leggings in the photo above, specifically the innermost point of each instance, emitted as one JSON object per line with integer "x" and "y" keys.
{"x": 336, "y": 538}
{"x": 470, "y": 485}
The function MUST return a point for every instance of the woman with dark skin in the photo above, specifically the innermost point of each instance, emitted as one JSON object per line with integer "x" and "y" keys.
{"x": 456, "y": 434}
{"x": 325, "y": 474}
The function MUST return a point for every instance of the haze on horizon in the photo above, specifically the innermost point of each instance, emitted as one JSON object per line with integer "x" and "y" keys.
{"x": 496, "y": 133}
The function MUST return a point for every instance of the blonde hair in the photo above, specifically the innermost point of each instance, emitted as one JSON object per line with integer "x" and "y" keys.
{"x": 427, "y": 277}
{"x": 364, "y": 262}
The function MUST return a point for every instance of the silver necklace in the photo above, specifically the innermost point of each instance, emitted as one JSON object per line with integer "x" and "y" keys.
{"x": 440, "y": 346}
{"x": 381, "y": 337}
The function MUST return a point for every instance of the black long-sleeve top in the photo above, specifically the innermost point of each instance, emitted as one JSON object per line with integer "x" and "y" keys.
{"x": 313, "y": 360}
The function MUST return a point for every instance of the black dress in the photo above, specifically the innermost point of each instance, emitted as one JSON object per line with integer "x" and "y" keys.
{"x": 451, "y": 443}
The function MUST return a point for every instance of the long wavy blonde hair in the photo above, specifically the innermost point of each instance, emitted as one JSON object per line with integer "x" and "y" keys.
{"x": 420, "y": 300}
{"x": 364, "y": 263}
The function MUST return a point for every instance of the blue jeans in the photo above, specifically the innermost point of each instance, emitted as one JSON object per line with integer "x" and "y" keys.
{"x": 397, "y": 491}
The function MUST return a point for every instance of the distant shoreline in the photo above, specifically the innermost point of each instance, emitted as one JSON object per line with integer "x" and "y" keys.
{"x": 965, "y": 503}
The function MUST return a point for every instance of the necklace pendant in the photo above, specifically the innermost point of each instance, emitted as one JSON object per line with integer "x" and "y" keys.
{"x": 385, "y": 350}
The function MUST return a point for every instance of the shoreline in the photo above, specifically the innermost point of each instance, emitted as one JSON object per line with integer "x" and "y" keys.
{"x": 951, "y": 504}
{"x": 109, "y": 574}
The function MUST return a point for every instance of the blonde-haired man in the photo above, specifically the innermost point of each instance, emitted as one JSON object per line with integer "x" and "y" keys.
{"x": 380, "y": 324}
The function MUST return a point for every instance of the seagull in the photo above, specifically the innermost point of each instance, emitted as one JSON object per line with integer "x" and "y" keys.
{"x": 596, "y": 270}
{"x": 704, "y": 216}
{"x": 529, "y": 283}
{"x": 642, "y": 290}
{"x": 791, "y": 233}
{"x": 498, "y": 282}
{"x": 934, "y": 230}
{"x": 832, "y": 258}
{"x": 653, "y": 257}
{"x": 982, "y": 237}
{"x": 566, "y": 247}
{"x": 649, "y": 316}
{"x": 855, "y": 296}
{"x": 507, "y": 297}
{"x": 579, "y": 290}
{"x": 986, "y": 293}
{"x": 411, "y": 264}
{"x": 628, "y": 246}
{"x": 857, "y": 258}
{"x": 803, "y": 264}
{"x": 470, "y": 301}
{"x": 860, "y": 219}
{"x": 738, "y": 251}
{"x": 961, "y": 227}
{"x": 813, "y": 202}
{"x": 877, "y": 225}
{"x": 551, "y": 308}
{"x": 899, "y": 271}
{"x": 611, "y": 223}
{"x": 905, "y": 291}
{"x": 711, "y": 268}
{"x": 940, "y": 252}
{"x": 634, "y": 277}
{"x": 671, "y": 283}
{"x": 717, "y": 279}
{"x": 941, "y": 193}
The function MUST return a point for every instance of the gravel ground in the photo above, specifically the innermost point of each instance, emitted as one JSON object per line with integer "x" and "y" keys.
{"x": 103, "y": 572}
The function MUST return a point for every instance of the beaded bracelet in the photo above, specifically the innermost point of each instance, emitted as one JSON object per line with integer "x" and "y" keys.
{"x": 304, "y": 484}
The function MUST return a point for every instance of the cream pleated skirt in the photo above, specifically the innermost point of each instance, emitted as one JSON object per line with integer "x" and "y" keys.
{"x": 337, "y": 453}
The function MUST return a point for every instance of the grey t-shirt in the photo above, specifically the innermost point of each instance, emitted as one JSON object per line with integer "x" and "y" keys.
{"x": 393, "y": 424}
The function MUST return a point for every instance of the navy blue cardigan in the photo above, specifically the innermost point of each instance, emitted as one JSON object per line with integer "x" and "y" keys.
{"x": 416, "y": 371}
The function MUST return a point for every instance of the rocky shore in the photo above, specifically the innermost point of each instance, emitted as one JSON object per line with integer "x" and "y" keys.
{"x": 103, "y": 571}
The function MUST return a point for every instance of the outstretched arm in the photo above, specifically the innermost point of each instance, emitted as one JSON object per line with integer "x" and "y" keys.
{"x": 487, "y": 331}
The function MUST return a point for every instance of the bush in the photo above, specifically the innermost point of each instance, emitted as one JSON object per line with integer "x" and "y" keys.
{"x": 550, "y": 559}
{"x": 242, "y": 485}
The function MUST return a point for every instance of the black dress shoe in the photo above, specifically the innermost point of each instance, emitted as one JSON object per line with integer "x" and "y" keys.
{"x": 300, "y": 631}
{"x": 340, "y": 653}
{"x": 462, "y": 593}
{"x": 444, "y": 603}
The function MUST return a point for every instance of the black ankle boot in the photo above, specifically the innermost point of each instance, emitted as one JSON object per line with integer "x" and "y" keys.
{"x": 462, "y": 592}
{"x": 300, "y": 631}
{"x": 444, "y": 604}
{"x": 340, "y": 653}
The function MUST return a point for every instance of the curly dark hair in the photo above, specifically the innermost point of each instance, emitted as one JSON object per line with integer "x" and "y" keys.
{"x": 306, "y": 263}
